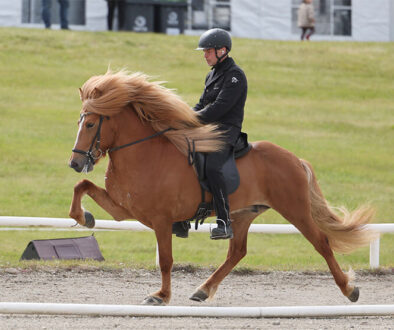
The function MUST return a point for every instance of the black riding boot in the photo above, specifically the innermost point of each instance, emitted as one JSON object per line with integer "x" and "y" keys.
{"x": 181, "y": 229}
{"x": 223, "y": 230}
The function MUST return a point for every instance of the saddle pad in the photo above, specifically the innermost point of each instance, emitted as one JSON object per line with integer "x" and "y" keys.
{"x": 229, "y": 169}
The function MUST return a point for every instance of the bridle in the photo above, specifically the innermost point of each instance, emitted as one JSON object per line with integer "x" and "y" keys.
{"x": 90, "y": 155}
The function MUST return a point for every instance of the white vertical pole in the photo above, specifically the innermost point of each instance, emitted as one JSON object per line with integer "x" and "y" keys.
{"x": 157, "y": 255}
{"x": 374, "y": 253}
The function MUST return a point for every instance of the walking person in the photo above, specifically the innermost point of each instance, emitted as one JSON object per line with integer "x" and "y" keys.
{"x": 63, "y": 13}
{"x": 64, "y": 4}
{"x": 46, "y": 13}
{"x": 306, "y": 19}
{"x": 118, "y": 5}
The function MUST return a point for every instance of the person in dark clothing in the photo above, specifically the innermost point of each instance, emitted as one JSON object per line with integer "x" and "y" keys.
{"x": 120, "y": 6}
{"x": 222, "y": 102}
{"x": 46, "y": 13}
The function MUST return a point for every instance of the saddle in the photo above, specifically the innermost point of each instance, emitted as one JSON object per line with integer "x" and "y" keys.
{"x": 229, "y": 170}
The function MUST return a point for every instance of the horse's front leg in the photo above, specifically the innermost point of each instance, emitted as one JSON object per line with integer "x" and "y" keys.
{"x": 236, "y": 251}
{"x": 163, "y": 232}
{"x": 101, "y": 197}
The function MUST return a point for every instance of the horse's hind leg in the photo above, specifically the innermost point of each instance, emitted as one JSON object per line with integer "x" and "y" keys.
{"x": 313, "y": 234}
{"x": 320, "y": 243}
{"x": 236, "y": 251}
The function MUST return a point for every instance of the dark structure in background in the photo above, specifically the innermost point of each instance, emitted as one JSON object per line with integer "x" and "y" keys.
{"x": 155, "y": 16}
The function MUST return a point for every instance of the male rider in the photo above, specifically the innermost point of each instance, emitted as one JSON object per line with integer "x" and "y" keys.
{"x": 222, "y": 103}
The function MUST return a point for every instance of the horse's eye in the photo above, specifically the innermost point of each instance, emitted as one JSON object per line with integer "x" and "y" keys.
{"x": 89, "y": 125}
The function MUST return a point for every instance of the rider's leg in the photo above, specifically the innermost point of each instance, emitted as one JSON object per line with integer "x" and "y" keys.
{"x": 215, "y": 162}
{"x": 181, "y": 229}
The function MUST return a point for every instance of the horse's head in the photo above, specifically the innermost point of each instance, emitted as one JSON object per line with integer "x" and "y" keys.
{"x": 91, "y": 143}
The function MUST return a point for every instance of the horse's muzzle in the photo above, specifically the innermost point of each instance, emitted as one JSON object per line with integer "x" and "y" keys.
{"x": 81, "y": 165}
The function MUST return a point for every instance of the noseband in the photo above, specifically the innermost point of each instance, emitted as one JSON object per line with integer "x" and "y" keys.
{"x": 89, "y": 154}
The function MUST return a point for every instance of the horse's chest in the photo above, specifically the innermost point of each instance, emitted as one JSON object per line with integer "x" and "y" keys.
{"x": 122, "y": 191}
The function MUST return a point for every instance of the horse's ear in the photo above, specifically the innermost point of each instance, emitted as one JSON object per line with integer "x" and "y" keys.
{"x": 80, "y": 93}
{"x": 96, "y": 93}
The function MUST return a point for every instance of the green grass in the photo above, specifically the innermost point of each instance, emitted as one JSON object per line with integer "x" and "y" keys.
{"x": 330, "y": 103}
{"x": 138, "y": 249}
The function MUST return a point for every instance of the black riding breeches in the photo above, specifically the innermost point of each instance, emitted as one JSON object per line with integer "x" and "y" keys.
{"x": 214, "y": 164}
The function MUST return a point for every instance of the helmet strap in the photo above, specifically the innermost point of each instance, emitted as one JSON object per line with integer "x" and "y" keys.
{"x": 219, "y": 58}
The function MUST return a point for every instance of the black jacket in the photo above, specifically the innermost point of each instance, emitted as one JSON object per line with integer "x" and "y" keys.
{"x": 224, "y": 96}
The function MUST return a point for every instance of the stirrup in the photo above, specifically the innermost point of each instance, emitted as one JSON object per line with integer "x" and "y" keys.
{"x": 181, "y": 229}
{"x": 222, "y": 231}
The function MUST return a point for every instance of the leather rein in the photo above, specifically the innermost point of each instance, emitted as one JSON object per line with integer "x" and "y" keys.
{"x": 90, "y": 155}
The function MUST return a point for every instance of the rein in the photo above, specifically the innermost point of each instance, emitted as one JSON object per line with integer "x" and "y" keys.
{"x": 141, "y": 140}
{"x": 89, "y": 154}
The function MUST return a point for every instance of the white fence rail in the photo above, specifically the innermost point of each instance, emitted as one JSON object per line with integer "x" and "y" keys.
{"x": 193, "y": 311}
{"x": 70, "y": 224}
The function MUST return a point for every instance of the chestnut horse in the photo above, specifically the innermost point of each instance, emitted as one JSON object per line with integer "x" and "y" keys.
{"x": 144, "y": 128}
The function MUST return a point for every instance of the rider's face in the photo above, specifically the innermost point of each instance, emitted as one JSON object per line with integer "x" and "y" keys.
{"x": 210, "y": 55}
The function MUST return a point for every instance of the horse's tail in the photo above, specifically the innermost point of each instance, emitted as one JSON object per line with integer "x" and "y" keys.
{"x": 345, "y": 233}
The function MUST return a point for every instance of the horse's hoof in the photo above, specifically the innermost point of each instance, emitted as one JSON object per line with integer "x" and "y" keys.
{"x": 89, "y": 220}
{"x": 354, "y": 295}
{"x": 153, "y": 301}
{"x": 199, "y": 296}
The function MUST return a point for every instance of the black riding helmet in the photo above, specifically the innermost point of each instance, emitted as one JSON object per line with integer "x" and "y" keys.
{"x": 215, "y": 38}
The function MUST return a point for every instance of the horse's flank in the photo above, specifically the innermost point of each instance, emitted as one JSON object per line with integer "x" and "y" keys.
{"x": 112, "y": 93}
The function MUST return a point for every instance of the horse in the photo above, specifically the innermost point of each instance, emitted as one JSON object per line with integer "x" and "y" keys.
{"x": 145, "y": 129}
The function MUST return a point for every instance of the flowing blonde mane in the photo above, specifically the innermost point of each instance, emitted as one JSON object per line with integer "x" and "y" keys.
{"x": 113, "y": 92}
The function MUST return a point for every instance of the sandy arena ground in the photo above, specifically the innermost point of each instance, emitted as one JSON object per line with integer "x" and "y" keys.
{"x": 94, "y": 286}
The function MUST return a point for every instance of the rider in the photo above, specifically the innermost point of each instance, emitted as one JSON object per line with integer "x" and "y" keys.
{"x": 222, "y": 102}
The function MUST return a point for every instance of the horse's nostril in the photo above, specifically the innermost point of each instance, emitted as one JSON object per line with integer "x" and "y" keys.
{"x": 73, "y": 164}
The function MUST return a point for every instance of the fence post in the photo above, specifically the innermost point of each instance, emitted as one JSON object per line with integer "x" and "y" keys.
{"x": 374, "y": 253}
